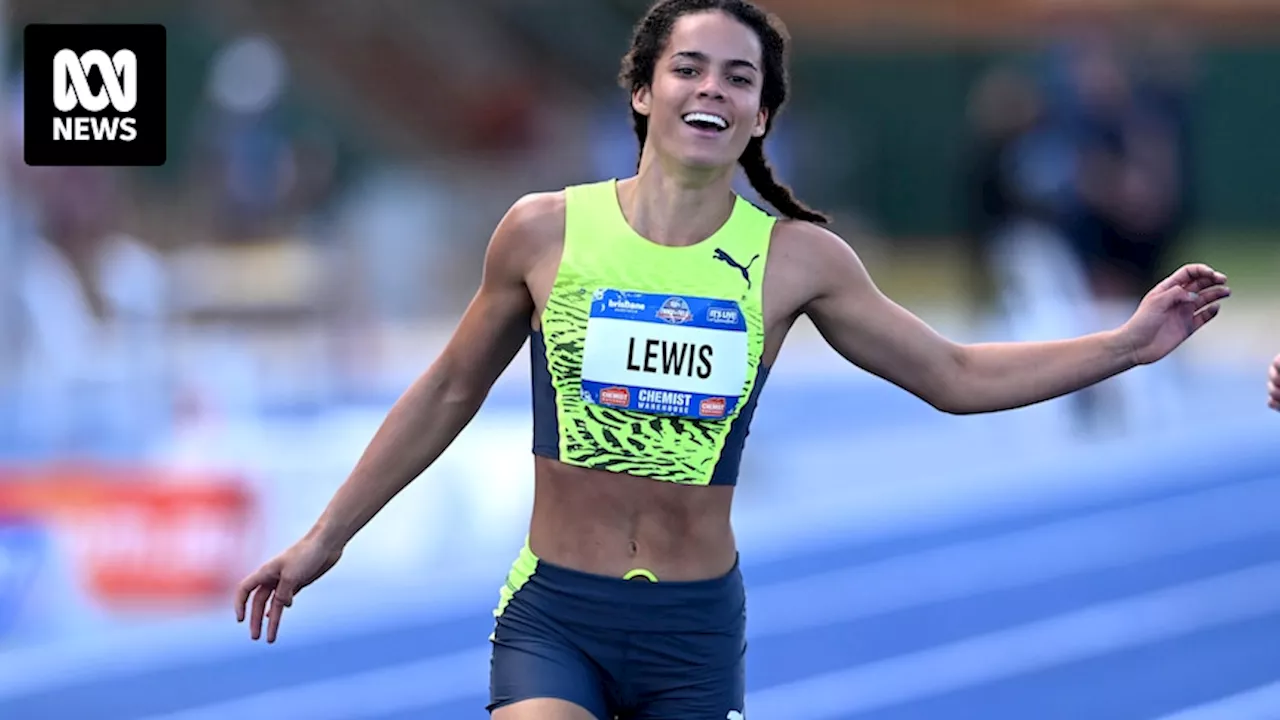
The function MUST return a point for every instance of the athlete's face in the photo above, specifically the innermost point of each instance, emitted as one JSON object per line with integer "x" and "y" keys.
{"x": 704, "y": 103}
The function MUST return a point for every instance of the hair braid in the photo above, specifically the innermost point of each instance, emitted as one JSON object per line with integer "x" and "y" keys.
{"x": 651, "y": 36}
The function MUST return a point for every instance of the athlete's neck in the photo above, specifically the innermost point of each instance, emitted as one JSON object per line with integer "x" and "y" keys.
{"x": 676, "y": 207}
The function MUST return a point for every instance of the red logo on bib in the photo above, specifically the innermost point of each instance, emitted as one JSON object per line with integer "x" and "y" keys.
{"x": 616, "y": 396}
{"x": 712, "y": 407}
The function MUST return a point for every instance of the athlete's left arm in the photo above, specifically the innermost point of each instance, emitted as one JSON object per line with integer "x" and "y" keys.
{"x": 875, "y": 333}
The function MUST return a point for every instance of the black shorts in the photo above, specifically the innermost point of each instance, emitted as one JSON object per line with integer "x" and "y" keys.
{"x": 633, "y": 649}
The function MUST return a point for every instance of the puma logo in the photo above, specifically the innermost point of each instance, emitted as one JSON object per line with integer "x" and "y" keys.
{"x": 734, "y": 715}
{"x": 744, "y": 269}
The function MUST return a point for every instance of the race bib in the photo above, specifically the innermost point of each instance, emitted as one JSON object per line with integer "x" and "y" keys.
{"x": 665, "y": 355}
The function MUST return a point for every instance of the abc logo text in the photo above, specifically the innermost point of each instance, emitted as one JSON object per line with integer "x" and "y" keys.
{"x": 94, "y": 95}
{"x": 71, "y": 91}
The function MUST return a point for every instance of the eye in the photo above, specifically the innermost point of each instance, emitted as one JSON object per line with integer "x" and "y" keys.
{"x": 686, "y": 71}
{"x": 740, "y": 80}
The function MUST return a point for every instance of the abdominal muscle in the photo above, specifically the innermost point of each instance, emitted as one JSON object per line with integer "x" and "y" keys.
{"x": 612, "y": 524}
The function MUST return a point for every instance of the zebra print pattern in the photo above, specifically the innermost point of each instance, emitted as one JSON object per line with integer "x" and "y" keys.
{"x": 670, "y": 449}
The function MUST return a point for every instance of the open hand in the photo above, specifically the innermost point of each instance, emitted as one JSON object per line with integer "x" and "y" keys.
{"x": 279, "y": 580}
{"x": 1180, "y": 305}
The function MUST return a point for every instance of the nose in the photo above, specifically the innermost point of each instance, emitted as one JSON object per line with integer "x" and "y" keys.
{"x": 710, "y": 88}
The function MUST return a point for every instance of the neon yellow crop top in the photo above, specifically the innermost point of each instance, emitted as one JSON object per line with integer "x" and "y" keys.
{"x": 648, "y": 361}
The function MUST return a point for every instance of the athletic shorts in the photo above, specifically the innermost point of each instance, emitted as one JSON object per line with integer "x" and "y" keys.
{"x": 635, "y": 649}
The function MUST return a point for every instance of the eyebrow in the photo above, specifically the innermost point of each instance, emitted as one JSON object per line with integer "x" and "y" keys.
{"x": 702, "y": 57}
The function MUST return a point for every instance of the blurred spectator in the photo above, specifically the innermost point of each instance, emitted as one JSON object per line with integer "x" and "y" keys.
{"x": 1164, "y": 86}
{"x": 1018, "y": 180}
{"x": 1128, "y": 145}
{"x": 1130, "y": 138}
{"x": 95, "y": 304}
{"x": 1004, "y": 186}
{"x": 244, "y": 157}
{"x": 89, "y": 307}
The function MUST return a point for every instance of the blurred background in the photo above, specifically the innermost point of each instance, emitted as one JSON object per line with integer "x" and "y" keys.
{"x": 193, "y": 356}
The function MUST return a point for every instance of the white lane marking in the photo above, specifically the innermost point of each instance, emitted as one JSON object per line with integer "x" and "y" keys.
{"x": 1260, "y": 703}
{"x": 373, "y": 693}
{"x": 1106, "y": 539}
{"x": 1103, "y": 540}
{"x": 327, "y": 617}
{"x": 1083, "y": 634}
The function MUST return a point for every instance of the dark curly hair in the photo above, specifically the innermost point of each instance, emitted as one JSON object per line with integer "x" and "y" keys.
{"x": 650, "y": 37}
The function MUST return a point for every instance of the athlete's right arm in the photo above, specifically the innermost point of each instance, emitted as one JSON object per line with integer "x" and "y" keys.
{"x": 436, "y": 407}
{"x": 427, "y": 418}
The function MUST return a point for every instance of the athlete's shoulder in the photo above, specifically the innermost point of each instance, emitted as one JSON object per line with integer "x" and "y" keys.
{"x": 813, "y": 259}
{"x": 537, "y": 214}
{"x": 813, "y": 245}
{"x": 534, "y": 224}
{"x": 803, "y": 232}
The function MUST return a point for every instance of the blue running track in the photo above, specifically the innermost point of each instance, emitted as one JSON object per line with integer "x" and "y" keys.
{"x": 1126, "y": 609}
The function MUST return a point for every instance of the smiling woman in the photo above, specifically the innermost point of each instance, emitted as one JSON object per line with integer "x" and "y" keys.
{"x": 656, "y": 306}
{"x": 684, "y": 41}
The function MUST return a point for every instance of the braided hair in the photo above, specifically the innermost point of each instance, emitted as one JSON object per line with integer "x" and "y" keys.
{"x": 650, "y": 37}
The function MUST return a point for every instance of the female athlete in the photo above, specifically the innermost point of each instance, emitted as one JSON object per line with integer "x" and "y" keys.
{"x": 655, "y": 307}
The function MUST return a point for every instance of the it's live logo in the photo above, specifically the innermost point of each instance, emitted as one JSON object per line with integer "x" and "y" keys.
{"x": 94, "y": 95}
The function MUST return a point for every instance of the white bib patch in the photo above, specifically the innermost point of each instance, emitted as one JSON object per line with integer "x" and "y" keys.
{"x": 665, "y": 355}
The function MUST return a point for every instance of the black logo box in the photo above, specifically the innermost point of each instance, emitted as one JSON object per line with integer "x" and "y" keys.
{"x": 148, "y": 43}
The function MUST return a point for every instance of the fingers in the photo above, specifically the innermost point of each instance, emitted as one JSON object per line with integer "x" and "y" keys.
{"x": 246, "y": 588}
{"x": 1204, "y": 303}
{"x": 260, "y": 599}
{"x": 1200, "y": 282}
{"x": 283, "y": 598}
{"x": 1200, "y": 285}
{"x": 1193, "y": 277}
{"x": 1163, "y": 298}
{"x": 270, "y": 596}
{"x": 1198, "y": 299}
{"x": 1211, "y": 295}
{"x": 1273, "y": 385}
{"x": 1200, "y": 319}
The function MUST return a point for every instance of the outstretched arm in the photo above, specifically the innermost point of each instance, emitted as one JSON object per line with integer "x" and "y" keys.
{"x": 425, "y": 420}
{"x": 436, "y": 408}
{"x": 877, "y": 334}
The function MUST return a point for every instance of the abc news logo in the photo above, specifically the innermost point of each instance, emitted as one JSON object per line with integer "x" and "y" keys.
{"x": 94, "y": 95}
{"x": 71, "y": 91}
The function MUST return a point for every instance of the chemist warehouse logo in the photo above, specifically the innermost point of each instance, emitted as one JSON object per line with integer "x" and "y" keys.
{"x": 94, "y": 95}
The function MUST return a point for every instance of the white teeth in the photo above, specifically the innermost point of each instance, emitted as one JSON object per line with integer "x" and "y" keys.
{"x": 707, "y": 118}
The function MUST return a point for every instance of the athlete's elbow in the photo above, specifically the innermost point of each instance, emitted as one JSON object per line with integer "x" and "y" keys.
{"x": 963, "y": 399}
{"x": 463, "y": 400}
{"x": 454, "y": 389}
{"x": 974, "y": 385}
{"x": 466, "y": 395}
{"x": 947, "y": 402}
{"x": 951, "y": 388}
{"x": 941, "y": 393}
{"x": 961, "y": 408}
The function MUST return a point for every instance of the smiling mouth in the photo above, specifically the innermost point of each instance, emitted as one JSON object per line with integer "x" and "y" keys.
{"x": 706, "y": 122}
